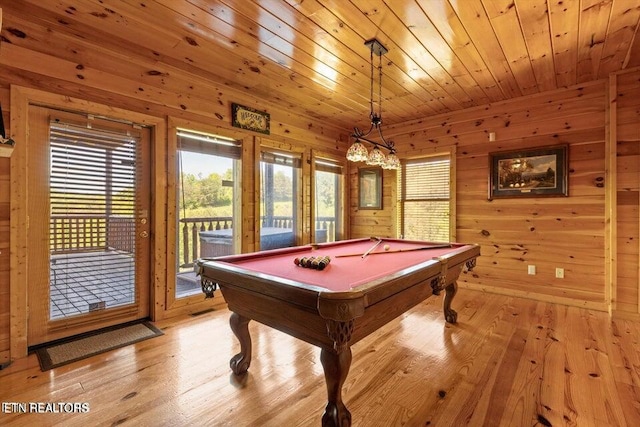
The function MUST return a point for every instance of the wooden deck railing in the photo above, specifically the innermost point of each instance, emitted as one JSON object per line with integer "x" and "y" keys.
{"x": 190, "y": 229}
{"x": 327, "y": 223}
{"x": 74, "y": 233}
{"x": 189, "y": 242}
{"x": 81, "y": 233}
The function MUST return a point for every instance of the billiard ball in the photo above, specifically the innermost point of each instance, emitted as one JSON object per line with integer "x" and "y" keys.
{"x": 387, "y": 247}
{"x": 324, "y": 261}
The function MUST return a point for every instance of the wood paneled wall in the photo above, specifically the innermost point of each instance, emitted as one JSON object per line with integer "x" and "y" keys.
{"x": 373, "y": 222}
{"x": 548, "y": 232}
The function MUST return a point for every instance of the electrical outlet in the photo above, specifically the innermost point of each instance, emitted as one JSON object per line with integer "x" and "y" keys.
{"x": 559, "y": 273}
{"x": 531, "y": 269}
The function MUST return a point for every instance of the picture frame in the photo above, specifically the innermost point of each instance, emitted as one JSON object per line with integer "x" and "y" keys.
{"x": 370, "y": 188}
{"x": 531, "y": 172}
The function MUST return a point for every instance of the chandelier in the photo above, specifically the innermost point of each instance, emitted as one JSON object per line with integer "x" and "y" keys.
{"x": 358, "y": 152}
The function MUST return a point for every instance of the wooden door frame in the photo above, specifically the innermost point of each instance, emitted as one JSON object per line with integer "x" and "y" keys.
{"x": 21, "y": 99}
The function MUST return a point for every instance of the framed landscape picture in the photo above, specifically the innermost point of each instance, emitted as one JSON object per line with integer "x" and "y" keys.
{"x": 370, "y": 188}
{"x": 533, "y": 172}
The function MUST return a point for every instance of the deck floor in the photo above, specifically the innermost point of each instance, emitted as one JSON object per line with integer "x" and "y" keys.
{"x": 82, "y": 282}
{"x": 87, "y": 281}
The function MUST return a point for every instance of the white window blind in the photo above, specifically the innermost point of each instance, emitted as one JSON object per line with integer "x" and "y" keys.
{"x": 203, "y": 143}
{"x": 281, "y": 159}
{"x": 425, "y": 199}
{"x": 92, "y": 187}
{"x": 327, "y": 165}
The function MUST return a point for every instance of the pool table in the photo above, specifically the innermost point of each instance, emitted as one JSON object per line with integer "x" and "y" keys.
{"x": 337, "y": 306}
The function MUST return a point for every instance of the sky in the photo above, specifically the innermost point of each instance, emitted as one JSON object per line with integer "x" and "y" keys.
{"x": 198, "y": 163}
{"x": 205, "y": 164}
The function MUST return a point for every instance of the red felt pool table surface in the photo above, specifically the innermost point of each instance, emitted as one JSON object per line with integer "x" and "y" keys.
{"x": 343, "y": 273}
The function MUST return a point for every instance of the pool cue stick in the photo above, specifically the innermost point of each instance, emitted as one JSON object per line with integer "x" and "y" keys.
{"x": 372, "y": 247}
{"x": 396, "y": 251}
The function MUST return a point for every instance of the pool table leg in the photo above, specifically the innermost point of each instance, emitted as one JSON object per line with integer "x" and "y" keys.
{"x": 450, "y": 314}
{"x": 336, "y": 366}
{"x": 240, "y": 327}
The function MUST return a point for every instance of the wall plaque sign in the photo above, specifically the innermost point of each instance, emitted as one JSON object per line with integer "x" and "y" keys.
{"x": 250, "y": 119}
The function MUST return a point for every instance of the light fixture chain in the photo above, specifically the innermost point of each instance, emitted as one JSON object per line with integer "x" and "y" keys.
{"x": 371, "y": 113}
{"x": 380, "y": 89}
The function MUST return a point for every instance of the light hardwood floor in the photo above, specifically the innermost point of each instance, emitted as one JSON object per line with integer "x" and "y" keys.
{"x": 508, "y": 362}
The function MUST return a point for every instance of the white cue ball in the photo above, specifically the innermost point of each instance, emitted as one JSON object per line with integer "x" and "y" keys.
{"x": 387, "y": 247}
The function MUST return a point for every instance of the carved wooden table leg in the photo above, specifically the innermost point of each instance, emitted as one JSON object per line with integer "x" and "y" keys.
{"x": 450, "y": 314}
{"x": 336, "y": 367}
{"x": 240, "y": 327}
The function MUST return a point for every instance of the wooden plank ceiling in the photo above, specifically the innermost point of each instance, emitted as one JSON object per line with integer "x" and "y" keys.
{"x": 309, "y": 57}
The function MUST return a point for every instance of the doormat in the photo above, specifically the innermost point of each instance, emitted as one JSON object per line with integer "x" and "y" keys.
{"x": 62, "y": 352}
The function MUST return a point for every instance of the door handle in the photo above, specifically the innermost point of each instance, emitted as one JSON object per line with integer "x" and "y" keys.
{"x": 144, "y": 234}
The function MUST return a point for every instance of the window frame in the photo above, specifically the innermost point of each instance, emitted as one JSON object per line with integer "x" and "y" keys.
{"x": 341, "y": 217}
{"x": 202, "y": 143}
{"x": 194, "y": 303}
{"x": 301, "y": 227}
{"x": 451, "y": 155}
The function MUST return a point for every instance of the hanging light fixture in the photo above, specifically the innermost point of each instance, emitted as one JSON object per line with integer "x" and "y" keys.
{"x": 358, "y": 152}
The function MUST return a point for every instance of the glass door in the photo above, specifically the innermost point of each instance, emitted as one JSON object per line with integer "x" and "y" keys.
{"x": 89, "y": 224}
{"x": 280, "y": 175}
{"x": 328, "y": 196}
{"x": 207, "y": 203}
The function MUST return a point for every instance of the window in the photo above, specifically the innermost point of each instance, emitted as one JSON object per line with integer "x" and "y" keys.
{"x": 279, "y": 199}
{"x": 207, "y": 202}
{"x": 425, "y": 205}
{"x": 328, "y": 200}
